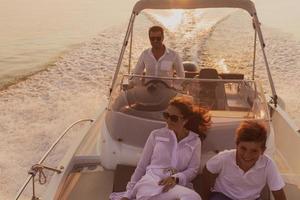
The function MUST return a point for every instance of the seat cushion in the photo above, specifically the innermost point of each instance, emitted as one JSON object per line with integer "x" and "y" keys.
{"x": 122, "y": 177}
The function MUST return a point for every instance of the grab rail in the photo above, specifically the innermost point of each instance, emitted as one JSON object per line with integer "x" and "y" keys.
{"x": 31, "y": 176}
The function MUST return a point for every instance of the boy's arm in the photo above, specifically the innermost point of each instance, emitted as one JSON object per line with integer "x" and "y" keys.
{"x": 279, "y": 194}
{"x": 208, "y": 182}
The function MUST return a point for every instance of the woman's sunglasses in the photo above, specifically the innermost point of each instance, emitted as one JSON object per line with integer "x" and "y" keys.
{"x": 173, "y": 118}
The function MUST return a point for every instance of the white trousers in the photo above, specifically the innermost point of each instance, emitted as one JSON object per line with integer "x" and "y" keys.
{"x": 176, "y": 193}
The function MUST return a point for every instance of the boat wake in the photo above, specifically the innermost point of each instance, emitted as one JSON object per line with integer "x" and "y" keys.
{"x": 185, "y": 34}
{"x": 34, "y": 112}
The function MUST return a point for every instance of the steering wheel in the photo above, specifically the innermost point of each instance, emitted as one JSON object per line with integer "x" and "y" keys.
{"x": 156, "y": 82}
{"x": 152, "y": 96}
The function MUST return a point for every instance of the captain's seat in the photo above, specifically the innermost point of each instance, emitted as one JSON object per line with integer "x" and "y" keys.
{"x": 190, "y": 69}
{"x": 212, "y": 93}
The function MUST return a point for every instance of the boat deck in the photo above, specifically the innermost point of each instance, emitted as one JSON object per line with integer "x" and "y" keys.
{"x": 95, "y": 184}
{"x": 88, "y": 183}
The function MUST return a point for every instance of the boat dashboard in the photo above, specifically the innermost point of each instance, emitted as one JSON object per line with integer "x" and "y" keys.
{"x": 136, "y": 105}
{"x": 147, "y": 97}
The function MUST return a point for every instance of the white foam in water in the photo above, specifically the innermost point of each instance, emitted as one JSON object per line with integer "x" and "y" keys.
{"x": 34, "y": 112}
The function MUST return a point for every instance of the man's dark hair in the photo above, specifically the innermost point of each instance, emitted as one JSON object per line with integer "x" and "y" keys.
{"x": 156, "y": 29}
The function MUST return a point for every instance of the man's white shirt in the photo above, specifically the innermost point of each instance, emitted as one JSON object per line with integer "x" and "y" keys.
{"x": 163, "y": 67}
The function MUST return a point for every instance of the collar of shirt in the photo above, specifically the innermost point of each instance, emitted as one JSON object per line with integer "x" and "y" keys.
{"x": 167, "y": 51}
{"x": 260, "y": 163}
{"x": 191, "y": 136}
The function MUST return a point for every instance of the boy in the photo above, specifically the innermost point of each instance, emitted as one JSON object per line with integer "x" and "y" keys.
{"x": 242, "y": 173}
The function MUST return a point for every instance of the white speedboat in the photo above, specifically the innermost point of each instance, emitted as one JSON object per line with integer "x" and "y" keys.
{"x": 103, "y": 159}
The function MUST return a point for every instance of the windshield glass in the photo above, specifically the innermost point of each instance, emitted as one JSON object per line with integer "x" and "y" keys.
{"x": 148, "y": 97}
{"x": 219, "y": 40}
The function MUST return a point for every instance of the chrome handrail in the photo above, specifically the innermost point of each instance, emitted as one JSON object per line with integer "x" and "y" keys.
{"x": 130, "y": 76}
{"x": 47, "y": 153}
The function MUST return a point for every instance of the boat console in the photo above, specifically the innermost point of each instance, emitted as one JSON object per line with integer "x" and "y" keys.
{"x": 134, "y": 112}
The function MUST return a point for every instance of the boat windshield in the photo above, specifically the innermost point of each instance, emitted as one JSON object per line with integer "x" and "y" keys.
{"x": 201, "y": 37}
{"x": 148, "y": 97}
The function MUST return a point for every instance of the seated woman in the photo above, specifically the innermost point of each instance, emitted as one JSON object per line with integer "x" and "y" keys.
{"x": 243, "y": 172}
{"x": 171, "y": 156}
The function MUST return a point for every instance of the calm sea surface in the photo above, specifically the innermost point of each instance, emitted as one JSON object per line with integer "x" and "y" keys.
{"x": 34, "y": 33}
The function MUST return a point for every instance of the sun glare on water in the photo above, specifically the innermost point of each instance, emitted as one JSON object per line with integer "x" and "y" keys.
{"x": 169, "y": 19}
{"x": 223, "y": 66}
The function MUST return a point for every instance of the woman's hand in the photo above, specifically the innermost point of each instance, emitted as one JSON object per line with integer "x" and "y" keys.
{"x": 168, "y": 183}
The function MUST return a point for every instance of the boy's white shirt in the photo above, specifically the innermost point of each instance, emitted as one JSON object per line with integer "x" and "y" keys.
{"x": 238, "y": 185}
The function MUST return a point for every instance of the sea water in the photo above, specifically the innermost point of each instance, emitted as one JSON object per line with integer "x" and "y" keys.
{"x": 36, "y": 33}
{"x": 72, "y": 49}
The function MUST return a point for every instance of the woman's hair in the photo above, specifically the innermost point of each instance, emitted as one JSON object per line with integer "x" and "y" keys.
{"x": 251, "y": 131}
{"x": 199, "y": 119}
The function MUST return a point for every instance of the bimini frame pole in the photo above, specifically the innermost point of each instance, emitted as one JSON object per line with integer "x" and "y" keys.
{"x": 130, "y": 50}
{"x": 125, "y": 42}
{"x": 262, "y": 44}
{"x": 254, "y": 52}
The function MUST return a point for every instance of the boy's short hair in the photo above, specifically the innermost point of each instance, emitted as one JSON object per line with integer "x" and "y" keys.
{"x": 156, "y": 29}
{"x": 252, "y": 131}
